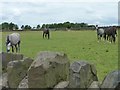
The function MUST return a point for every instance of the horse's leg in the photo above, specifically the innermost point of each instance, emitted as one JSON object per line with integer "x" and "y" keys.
{"x": 19, "y": 46}
{"x": 98, "y": 37}
{"x": 102, "y": 37}
{"x": 48, "y": 35}
{"x": 113, "y": 37}
{"x": 12, "y": 48}
{"x": 43, "y": 35}
{"x": 105, "y": 37}
{"x": 16, "y": 48}
{"x": 108, "y": 37}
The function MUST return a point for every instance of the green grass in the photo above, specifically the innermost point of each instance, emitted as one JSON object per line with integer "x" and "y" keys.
{"x": 0, "y": 41}
{"x": 78, "y": 45}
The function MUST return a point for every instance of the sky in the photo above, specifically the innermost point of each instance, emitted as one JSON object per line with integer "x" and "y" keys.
{"x": 34, "y": 12}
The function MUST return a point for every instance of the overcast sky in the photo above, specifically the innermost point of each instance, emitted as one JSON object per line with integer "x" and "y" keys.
{"x": 34, "y": 12}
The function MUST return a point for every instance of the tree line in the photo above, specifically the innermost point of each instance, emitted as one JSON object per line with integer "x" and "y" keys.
{"x": 55, "y": 26}
{"x": 69, "y": 26}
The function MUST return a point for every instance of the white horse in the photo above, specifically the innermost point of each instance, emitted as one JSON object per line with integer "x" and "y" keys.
{"x": 13, "y": 40}
{"x": 100, "y": 32}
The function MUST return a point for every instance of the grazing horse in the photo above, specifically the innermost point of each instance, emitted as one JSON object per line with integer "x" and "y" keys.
{"x": 100, "y": 32}
{"x": 110, "y": 34}
{"x": 46, "y": 33}
{"x": 13, "y": 40}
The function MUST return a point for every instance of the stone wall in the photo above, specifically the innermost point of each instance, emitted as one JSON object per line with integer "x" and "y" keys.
{"x": 52, "y": 70}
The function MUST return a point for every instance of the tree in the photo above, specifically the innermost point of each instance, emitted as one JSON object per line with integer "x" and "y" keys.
{"x": 5, "y": 26}
{"x": 0, "y": 27}
{"x": 34, "y": 28}
{"x": 27, "y": 27}
{"x": 16, "y": 27}
{"x": 43, "y": 26}
{"x": 11, "y": 26}
{"x": 38, "y": 27}
{"x": 67, "y": 25}
{"x": 84, "y": 24}
{"x": 22, "y": 27}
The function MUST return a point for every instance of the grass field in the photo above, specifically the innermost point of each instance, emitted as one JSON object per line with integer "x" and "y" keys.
{"x": 78, "y": 45}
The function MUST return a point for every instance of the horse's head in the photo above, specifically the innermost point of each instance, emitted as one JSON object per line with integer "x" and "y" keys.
{"x": 8, "y": 45}
{"x": 96, "y": 27}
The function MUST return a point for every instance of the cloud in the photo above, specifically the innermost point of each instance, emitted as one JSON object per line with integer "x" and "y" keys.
{"x": 35, "y": 1}
{"x": 34, "y": 13}
{"x": 16, "y": 12}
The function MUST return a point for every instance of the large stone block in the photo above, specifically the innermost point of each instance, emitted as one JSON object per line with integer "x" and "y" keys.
{"x": 48, "y": 69}
{"x": 5, "y": 58}
{"x": 5, "y": 81}
{"x": 0, "y": 66}
{"x": 82, "y": 74}
{"x": 23, "y": 84}
{"x": 112, "y": 80}
{"x": 17, "y": 70}
{"x": 63, "y": 84}
{"x": 94, "y": 86}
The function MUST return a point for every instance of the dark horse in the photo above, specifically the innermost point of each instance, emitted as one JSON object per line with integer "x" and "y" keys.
{"x": 46, "y": 33}
{"x": 110, "y": 34}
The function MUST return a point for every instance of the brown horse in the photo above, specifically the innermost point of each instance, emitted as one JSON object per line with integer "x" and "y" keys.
{"x": 110, "y": 34}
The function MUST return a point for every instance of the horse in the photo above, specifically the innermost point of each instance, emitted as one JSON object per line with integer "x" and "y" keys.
{"x": 46, "y": 33}
{"x": 100, "y": 32}
{"x": 13, "y": 40}
{"x": 110, "y": 34}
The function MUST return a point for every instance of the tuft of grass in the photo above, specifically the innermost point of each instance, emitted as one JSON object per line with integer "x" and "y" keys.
{"x": 107, "y": 50}
{"x": 78, "y": 45}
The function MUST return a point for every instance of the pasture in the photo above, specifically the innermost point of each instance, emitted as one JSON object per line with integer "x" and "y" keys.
{"x": 78, "y": 45}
